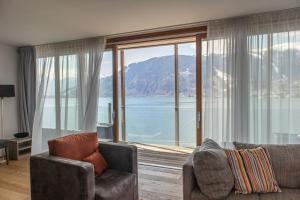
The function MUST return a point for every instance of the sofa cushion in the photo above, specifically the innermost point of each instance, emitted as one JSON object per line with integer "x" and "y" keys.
{"x": 197, "y": 195}
{"x": 242, "y": 182}
{"x": 259, "y": 170}
{"x": 285, "y": 161}
{"x": 285, "y": 194}
{"x": 98, "y": 161}
{"x": 212, "y": 171}
{"x": 75, "y": 147}
{"x": 114, "y": 185}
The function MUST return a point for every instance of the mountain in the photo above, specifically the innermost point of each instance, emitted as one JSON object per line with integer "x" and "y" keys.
{"x": 285, "y": 79}
{"x": 156, "y": 77}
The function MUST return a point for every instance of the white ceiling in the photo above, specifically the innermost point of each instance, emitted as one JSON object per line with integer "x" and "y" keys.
{"x": 31, "y": 22}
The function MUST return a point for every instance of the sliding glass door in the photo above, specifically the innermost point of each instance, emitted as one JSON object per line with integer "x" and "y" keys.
{"x": 187, "y": 93}
{"x": 158, "y": 94}
{"x": 149, "y": 95}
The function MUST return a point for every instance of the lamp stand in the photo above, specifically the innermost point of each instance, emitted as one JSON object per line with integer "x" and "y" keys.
{"x": 2, "y": 128}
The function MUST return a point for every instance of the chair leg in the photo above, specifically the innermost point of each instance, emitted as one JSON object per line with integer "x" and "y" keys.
{"x": 6, "y": 155}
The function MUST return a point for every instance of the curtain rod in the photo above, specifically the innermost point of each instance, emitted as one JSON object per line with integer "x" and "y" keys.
{"x": 158, "y": 29}
{"x": 146, "y": 31}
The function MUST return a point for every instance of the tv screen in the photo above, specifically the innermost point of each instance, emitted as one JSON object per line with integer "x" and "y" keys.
{"x": 7, "y": 90}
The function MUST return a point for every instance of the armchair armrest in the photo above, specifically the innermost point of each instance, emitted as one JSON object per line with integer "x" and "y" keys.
{"x": 55, "y": 178}
{"x": 189, "y": 180}
{"x": 121, "y": 157}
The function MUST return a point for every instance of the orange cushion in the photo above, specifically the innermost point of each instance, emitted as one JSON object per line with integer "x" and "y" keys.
{"x": 75, "y": 147}
{"x": 98, "y": 161}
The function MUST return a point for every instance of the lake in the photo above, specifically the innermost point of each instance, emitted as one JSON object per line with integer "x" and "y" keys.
{"x": 149, "y": 119}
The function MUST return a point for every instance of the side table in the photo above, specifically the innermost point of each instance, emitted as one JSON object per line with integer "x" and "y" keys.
{"x": 4, "y": 145}
{"x": 19, "y": 147}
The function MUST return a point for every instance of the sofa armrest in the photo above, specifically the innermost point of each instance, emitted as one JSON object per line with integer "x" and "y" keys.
{"x": 189, "y": 181}
{"x": 55, "y": 178}
{"x": 120, "y": 157}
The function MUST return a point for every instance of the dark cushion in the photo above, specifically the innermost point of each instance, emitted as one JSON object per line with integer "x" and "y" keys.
{"x": 75, "y": 147}
{"x": 115, "y": 185}
{"x": 212, "y": 171}
{"x": 285, "y": 161}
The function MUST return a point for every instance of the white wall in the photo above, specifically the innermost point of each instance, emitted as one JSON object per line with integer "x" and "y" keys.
{"x": 8, "y": 75}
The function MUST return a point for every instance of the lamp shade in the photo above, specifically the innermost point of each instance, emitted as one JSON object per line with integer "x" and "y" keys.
{"x": 7, "y": 90}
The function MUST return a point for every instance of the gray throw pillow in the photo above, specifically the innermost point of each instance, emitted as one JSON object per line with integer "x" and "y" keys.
{"x": 285, "y": 161}
{"x": 212, "y": 171}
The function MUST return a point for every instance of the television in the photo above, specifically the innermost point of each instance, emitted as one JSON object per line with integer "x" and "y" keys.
{"x": 7, "y": 91}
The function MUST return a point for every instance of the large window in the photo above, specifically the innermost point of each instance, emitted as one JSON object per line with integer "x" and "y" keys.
{"x": 251, "y": 86}
{"x": 67, "y": 81}
{"x": 49, "y": 110}
{"x": 68, "y": 72}
{"x": 159, "y": 84}
{"x": 274, "y": 87}
{"x": 59, "y": 83}
{"x": 149, "y": 94}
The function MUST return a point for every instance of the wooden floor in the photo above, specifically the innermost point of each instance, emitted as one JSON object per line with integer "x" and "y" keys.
{"x": 14, "y": 180}
{"x": 155, "y": 183}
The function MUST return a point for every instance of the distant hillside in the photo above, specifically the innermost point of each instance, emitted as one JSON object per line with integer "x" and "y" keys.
{"x": 156, "y": 77}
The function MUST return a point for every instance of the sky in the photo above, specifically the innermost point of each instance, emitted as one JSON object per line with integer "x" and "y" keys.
{"x": 145, "y": 53}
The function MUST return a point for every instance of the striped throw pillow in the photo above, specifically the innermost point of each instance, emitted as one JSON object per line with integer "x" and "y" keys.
{"x": 241, "y": 181}
{"x": 252, "y": 170}
{"x": 260, "y": 171}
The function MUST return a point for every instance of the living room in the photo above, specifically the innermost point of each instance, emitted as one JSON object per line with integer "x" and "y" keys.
{"x": 149, "y": 100}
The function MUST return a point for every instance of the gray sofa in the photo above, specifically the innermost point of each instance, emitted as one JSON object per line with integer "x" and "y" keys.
{"x": 56, "y": 178}
{"x": 285, "y": 161}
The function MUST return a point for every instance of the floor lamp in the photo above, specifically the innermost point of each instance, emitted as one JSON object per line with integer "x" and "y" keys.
{"x": 5, "y": 91}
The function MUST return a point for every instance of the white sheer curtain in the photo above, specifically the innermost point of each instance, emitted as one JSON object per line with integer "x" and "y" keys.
{"x": 67, "y": 89}
{"x": 251, "y": 79}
